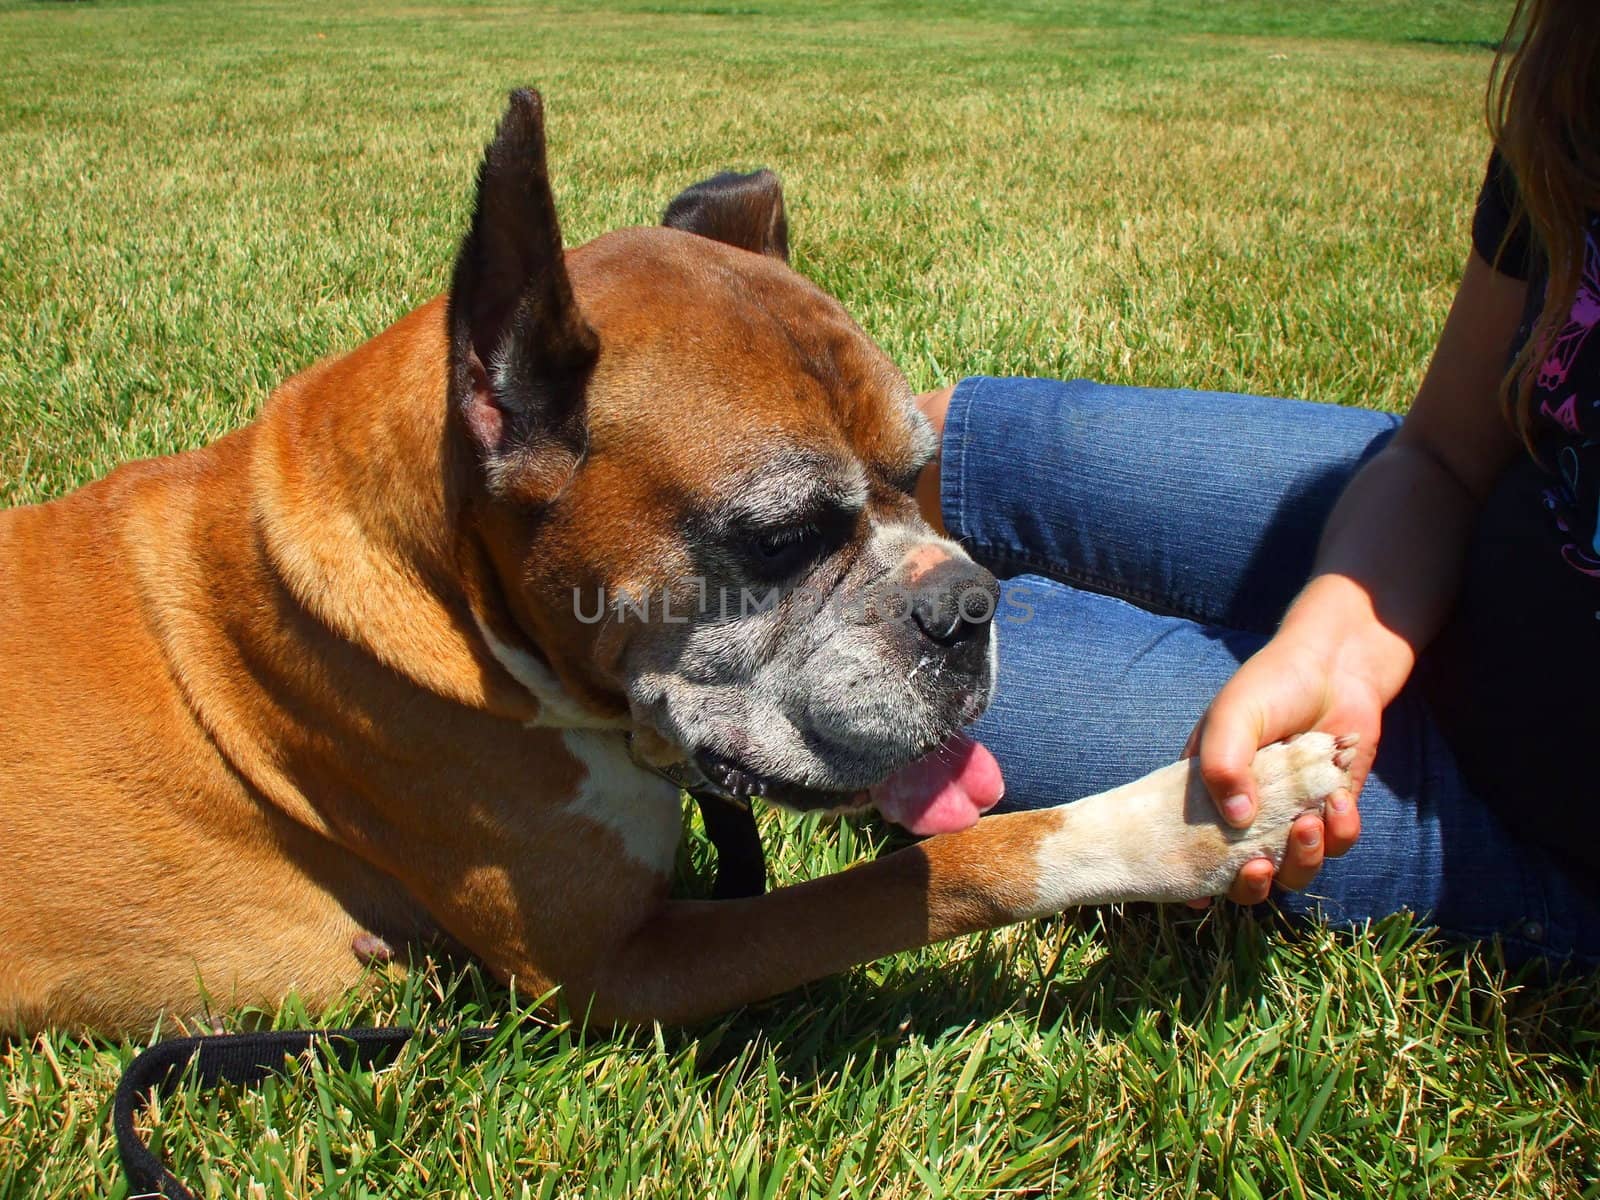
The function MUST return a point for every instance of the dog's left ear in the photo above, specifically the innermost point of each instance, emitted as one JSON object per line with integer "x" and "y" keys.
{"x": 520, "y": 350}
{"x": 741, "y": 210}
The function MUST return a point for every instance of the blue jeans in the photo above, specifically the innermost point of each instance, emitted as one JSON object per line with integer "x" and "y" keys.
{"x": 1150, "y": 542}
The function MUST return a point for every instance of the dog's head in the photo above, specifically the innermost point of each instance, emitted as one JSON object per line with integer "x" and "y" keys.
{"x": 691, "y": 481}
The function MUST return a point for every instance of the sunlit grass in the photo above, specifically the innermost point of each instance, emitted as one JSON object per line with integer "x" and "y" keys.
{"x": 196, "y": 200}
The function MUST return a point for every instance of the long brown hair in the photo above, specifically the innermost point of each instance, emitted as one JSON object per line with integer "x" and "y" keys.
{"x": 1543, "y": 107}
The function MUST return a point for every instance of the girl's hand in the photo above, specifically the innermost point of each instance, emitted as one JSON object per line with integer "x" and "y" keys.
{"x": 1291, "y": 685}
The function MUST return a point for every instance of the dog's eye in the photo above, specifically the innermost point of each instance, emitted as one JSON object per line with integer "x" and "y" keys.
{"x": 905, "y": 481}
{"x": 775, "y": 543}
{"x": 781, "y": 551}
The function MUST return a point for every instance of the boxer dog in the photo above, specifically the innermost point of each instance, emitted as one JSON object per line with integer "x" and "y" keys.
{"x": 426, "y": 650}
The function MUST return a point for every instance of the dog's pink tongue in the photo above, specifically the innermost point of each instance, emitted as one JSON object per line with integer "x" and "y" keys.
{"x": 944, "y": 791}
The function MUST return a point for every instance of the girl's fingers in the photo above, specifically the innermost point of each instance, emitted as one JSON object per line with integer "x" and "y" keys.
{"x": 1253, "y": 883}
{"x": 1227, "y": 746}
{"x": 1302, "y": 857}
{"x": 1341, "y": 820}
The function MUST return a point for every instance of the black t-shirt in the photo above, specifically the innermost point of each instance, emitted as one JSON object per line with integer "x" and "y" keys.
{"x": 1514, "y": 679}
{"x": 1566, "y": 388}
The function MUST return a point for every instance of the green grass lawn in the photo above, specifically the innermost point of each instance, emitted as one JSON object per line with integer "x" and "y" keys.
{"x": 197, "y": 199}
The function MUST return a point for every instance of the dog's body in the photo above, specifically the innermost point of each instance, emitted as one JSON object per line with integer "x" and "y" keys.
{"x": 328, "y": 684}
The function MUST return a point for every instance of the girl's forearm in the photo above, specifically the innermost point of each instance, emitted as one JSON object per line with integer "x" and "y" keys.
{"x": 1388, "y": 568}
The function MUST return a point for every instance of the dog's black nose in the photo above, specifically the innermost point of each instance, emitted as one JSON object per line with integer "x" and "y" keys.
{"x": 955, "y": 602}
{"x": 945, "y": 623}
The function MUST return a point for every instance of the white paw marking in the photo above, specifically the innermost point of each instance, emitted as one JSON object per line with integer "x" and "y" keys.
{"x": 1161, "y": 837}
{"x": 1295, "y": 777}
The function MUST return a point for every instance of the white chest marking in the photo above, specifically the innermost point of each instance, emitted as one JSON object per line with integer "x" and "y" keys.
{"x": 556, "y": 709}
{"x": 637, "y": 805}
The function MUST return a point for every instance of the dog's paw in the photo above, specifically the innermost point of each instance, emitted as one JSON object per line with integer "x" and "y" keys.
{"x": 1293, "y": 777}
{"x": 1296, "y": 776}
{"x": 1161, "y": 837}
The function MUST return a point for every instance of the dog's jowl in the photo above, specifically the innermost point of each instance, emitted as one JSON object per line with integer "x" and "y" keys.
{"x": 425, "y": 651}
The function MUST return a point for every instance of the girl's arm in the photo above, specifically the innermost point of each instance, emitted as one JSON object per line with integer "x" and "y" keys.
{"x": 1383, "y": 585}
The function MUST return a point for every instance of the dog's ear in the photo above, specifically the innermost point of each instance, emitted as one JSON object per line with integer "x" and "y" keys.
{"x": 521, "y": 351}
{"x": 742, "y": 210}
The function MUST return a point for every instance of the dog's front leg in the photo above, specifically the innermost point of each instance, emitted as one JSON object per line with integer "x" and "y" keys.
{"x": 1158, "y": 838}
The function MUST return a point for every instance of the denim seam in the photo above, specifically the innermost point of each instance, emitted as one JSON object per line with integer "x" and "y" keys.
{"x": 959, "y": 417}
{"x": 1238, "y": 614}
{"x": 953, "y": 482}
{"x": 1149, "y": 601}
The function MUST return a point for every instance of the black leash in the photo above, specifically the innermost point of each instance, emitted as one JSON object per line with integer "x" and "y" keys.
{"x": 246, "y": 1059}
{"x": 241, "y": 1058}
{"x": 741, "y": 865}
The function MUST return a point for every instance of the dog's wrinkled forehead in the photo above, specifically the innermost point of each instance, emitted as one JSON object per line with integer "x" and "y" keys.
{"x": 789, "y": 481}
{"x": 735, "y": 369}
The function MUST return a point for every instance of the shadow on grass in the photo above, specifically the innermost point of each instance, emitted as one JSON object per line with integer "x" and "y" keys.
{"x": 1119, "y": 977}
{"x": 1106, "y": 976}
{"x": 1492, "y": 46}
{"x": 1157, "y": 983}
{"x": 1121, "y": 973}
